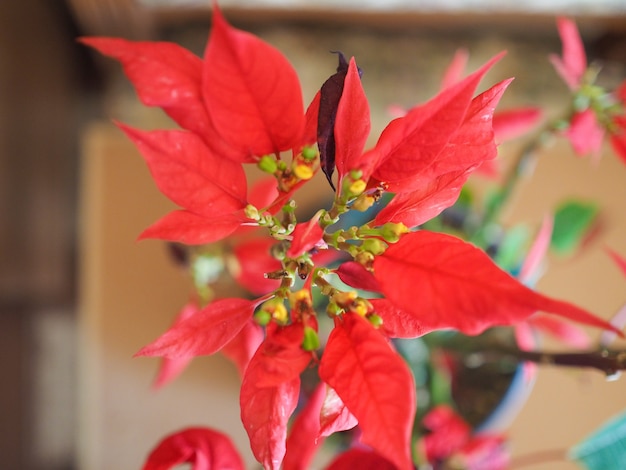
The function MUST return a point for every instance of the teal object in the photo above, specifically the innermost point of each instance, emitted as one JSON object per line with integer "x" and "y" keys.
{"x": 605, "y": 449}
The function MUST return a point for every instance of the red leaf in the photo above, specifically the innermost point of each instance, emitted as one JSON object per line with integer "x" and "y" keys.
{"x": 449, "y": 433}
{"x": 428, "y": 201}
{"x": 456, "y": 69}
{"x": 304, "y": 438}
{"x": 396, "y": 322}
{"x": 205, "y": 449}
{"x": 585, "y": 133}
{"x": 204, "y": 333}
{"x": 409, "y": 145}
{"x": 305, "y": 236}
{"x": 252, "y": 92}
{"x": 352, "y": 126}
{"x": 280, "y": 357}
{"x": 243, "y": 346}
{"x": 269, "y": 393}
{"x": 191, "y": 229}
{"x": 618, "y": 259}
{"x": 566, "y": 332}
{"x": 165, "y": 75}
{"x": 513, "y": 123}
{"x": 361, "y": 459}
{"x": 171, "y": 368}
{"x": 445, "y": 282}
{"x": 573, "y": 64}
{"x": 355, "y": 275}
{"x": 334, "y": 415}
{"x": 188, "y": 173}
{"x": 374, "y": 383}
{"x": 253, "y": 260}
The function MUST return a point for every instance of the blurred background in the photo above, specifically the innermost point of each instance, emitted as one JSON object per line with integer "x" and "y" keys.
{"x": 78, "y": 295}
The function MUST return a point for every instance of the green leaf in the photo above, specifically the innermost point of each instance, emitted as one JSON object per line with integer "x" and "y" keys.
{"x": 572, "y": 222}
{"x": 605, "y": 447}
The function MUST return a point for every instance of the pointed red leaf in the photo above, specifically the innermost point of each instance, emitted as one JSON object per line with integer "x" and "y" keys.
{"x": 334, "y": 416}
{"x": 409, "y": 145}
{"x": 304, "y": 438}
{"x": 269, "y": 392}
{"x": 585, "y": 134}
{"x": 428, "y": 201}
{"x": 573, "y": 64}
{"x": 352, "y": 126}
{"x": 361, "y": 459}
{"x": 306, "y": 235}
{"x": 566, "y": 332}
{"x": 191, "y": 229}
{"x": 516, "y": 122}
{"x": 243, "y": 346}
{"x": 355, "y": 275}
{"x": 165, "y": 75}
{"x": 204, "y": 333}
{"x": 205, "y": 449}
{"x": 188, "y": 173}
{"x": 456, "y": 69}
{"x": 375, "y": 384}
{"x": 398, "y": 323}
{"x": 280, "y": 357}
{"x": 171, "y": 368}
{"x": 445, "y": 282}
{"x": 251, "y": 91}
{"x": 618, "y": 259}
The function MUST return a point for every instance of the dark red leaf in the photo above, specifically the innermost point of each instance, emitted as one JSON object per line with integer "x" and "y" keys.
{"x": 251, "y": 91}
{"x": 203, "y": 333}
{"x": 445, "y": 282}
{"x": 352, "y": 127}
{"x": 330, "y": 94}
{"x": 355, "y": 275}
{"x": 361, "y": 459}
{"x": 304, "y": 440}
{"x": 374, "y": 383}
{"x": 205, "y": 449}
{"x": 188, "y": 173}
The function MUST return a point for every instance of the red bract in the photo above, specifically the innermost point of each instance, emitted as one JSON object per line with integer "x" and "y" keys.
{"x": 363, "y": 459}
{"x": 252, "y": 92}
{"x": 304, "y": 437}
{"x": 170, "y": 368}
{"x": 445, "y": 282}
{"x": 243, "y": 346}
{"x": 210, "y": 188}
{"x": 205, "y": 449}
{"x": 203, "y": 333}
{"x": 409, "y": 146}
{"x": 252, "y": 260}
{"x": 374, "y": 383}
{"x": 269, "y": 392}
{"x": 585, "y": 133}
{"x": 573, "y": 64}
{"x": 352, "y": 127}
{"x": 306, "y": 235}
{"x": 334, "y": 415}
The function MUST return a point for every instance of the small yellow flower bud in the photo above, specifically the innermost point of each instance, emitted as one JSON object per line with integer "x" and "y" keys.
{"x": 357, "y": 187}
{"x": 299, "y": 297}
{"x": 252, "y": 212}
{"x": 344, "y": 299}
{"x": 363, "y": 202}
{"x": 360, "y": 307}
{"x": 280, "y": 313}
{"x": 303, "y": 172}
{"x": 374, "y": 246}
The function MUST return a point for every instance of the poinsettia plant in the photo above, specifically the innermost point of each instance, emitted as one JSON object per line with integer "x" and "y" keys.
{"x": 325, "y": 294}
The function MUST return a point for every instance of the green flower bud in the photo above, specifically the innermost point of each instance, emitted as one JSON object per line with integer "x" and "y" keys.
{"x": 268, "y": 164}
{"x": 262, "y": 317}
{"x": 311, "y": 341}
{"x": 309, "y": 153}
